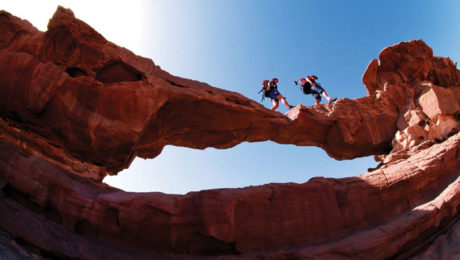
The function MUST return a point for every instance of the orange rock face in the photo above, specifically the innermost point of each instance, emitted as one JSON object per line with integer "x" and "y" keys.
{"x": 75, "y": 107}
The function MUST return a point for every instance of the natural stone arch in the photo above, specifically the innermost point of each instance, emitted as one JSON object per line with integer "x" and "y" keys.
{"x": 62, "y": 133}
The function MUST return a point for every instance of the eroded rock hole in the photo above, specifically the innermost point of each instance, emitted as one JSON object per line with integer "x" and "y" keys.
{"x": 22, "y": 198}
{"x": 117, "y": 71}
{"x": 207, "y": 245}
{"x": 75, "y": 72}
{"x": 85, "y": 228}
{"x": 51, "y": 212}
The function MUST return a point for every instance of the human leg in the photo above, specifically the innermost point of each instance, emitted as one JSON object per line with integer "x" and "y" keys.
{"x": 275, "y": 104}
{"x": 316, "y": 95}
{"x": 327, "y": 97}
{"x": 325, "y": 94}
{"x": 283, "y": 99}
{"x": 319, "y": 89}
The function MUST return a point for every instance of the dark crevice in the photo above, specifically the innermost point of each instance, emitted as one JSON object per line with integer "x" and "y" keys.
{"x": 84, "y": 227}
{"x": 272, "y": 195}
{"x": 426, "y": 238}
{"x": 238, "y": 101}
{"x": 52, "y": 213}
{"x": 20, "y": 197}
{"x": 175, "y": 84}
{"x": 27, "y": 246}
{"x": 75, "y": 72}
{"x": 29, "y": 249}
{"x": 159, "y": 211}
{"x": 46, "y": 254}
{"x": 53, "y": 255}
{"x": 118, "y": 71}
{"x": 211, "y": 246}
{"x": 457, "y": 116}
{"x": 112, "y": 216}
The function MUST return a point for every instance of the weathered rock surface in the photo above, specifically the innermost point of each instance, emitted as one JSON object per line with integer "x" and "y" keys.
{"x": 75, "y": 107}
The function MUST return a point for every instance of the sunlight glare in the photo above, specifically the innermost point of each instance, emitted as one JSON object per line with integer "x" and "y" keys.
{"x": 120, "y": 22}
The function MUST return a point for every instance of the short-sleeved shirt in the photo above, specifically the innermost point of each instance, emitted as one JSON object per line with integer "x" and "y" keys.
{"x": 274, "y": 93}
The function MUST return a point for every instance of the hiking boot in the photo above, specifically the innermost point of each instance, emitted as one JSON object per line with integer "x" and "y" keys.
{"x": 295, "y": 82}
{"x": 291, "y": 107}
{"x": 332, "y": 100}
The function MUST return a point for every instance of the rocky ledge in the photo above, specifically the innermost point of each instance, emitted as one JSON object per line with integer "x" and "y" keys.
{"x": 75, "y": 107}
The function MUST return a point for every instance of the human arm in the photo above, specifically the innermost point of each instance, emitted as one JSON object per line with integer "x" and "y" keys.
{"x": 312, "y": 83}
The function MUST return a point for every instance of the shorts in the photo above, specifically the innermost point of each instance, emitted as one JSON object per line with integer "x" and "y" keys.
{"x": 316, "y": 91}
{"x": 274, "y": 93}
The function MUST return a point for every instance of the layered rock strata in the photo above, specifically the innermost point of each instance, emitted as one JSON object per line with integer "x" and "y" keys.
{"x": 75, "y": 107}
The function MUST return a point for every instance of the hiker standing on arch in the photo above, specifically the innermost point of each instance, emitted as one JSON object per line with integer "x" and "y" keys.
{"x": 275, "y": 95}
{"x": 310, "y": 86}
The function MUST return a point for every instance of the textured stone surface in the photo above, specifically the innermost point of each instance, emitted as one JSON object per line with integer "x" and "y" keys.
{"x": 75, "y": 107}
{"x": 446, "y": 246}
{"x": 437, "y": 100}
{"x": 122, "y": 105}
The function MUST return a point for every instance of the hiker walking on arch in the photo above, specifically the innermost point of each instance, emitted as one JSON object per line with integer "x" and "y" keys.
{"x": 310, "y": 86}
{"x": 270, "y": 89}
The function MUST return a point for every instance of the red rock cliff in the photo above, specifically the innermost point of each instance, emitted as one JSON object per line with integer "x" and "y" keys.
{"x": 75, "y": 107}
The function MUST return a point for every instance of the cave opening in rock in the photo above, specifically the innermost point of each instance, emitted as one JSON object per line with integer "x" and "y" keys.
{"x": 179, "y": 170}
{"x": 76, "y": 72}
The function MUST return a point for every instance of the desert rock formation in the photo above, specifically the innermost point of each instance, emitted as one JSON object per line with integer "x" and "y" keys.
{"x": 75, "y": 107}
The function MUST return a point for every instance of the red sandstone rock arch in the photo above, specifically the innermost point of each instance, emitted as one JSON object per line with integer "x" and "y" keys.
{"x": 59, "y": 139}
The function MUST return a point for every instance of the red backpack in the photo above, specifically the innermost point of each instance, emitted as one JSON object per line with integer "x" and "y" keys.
{"x": 264, "y": 91}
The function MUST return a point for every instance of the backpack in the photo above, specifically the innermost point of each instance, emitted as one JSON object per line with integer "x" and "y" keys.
{"x": 305, "y": 86}
{"x": 264, "y": 91}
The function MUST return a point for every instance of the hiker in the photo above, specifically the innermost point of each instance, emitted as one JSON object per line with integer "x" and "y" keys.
{"x": 310, "y": 86}
{"x": 275, "y": 95}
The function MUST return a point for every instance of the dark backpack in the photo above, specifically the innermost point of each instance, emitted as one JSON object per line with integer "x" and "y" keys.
{"x": 305, "y": 87}
{"x": 265, "y": 92}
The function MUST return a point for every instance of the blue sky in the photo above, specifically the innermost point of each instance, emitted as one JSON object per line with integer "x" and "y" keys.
{"x": 234, "y": 45}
